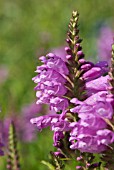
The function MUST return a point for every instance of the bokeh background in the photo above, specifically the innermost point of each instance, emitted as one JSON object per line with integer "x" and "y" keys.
{"x": 29, "y": 29}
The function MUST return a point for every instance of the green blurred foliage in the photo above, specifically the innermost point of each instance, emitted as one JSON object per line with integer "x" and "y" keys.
{"x": 28, "y": 29}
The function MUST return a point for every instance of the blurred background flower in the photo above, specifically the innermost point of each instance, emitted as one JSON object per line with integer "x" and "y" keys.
{"x": 104, "y": 43}
{"x": 3, "y": 74}
{"x": 25, "y": 131}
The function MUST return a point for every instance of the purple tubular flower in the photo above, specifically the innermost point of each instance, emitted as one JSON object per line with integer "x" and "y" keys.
{"x": 58, "y": 104}
{"x": 96, "y": 71}
{"x": 60, "y": 125}
{"x": 89, "y": 132}
{"x": 97, "y": 104}
{"x": 90, "y": 140}
{"x": 97, "y": 85}
{"x": 51, "y": 82}
{"x": 55, "y": 121}
{"x": 93, "y": 73}
{"x": 86, "y": 67}
{"x": 56, "y": 63}
{"x": 105, "y": 137}
{"x": 103, "y": 65}
{"x": 44, "y": 121}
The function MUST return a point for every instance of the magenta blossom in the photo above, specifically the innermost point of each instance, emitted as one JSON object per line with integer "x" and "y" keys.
{"x": 55, "y": 121}
{"x": 88, "y": 132}
{"x": 97, "y": 85}
{"x": 89, "y": 140}
{"x": 51, "y": 82}
{"x": 96, "y": 71}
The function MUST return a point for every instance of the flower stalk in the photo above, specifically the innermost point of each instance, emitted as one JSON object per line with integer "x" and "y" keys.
{"x": 83, "y": 100}
{"x": 74, "y": 57}
{"x": 107, "y": 155}
{"x": 13, "y": 156}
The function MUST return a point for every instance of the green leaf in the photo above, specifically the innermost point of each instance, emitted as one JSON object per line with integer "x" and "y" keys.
{"x": 50, "y": 166}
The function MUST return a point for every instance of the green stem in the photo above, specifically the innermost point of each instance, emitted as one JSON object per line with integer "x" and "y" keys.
{"x": 13, "y": 157}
